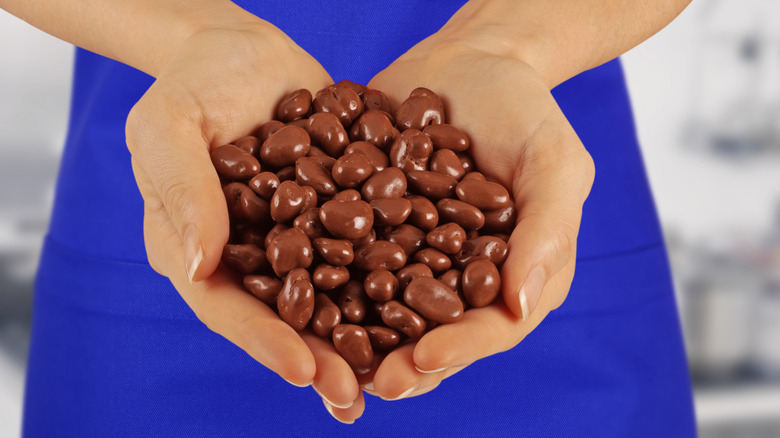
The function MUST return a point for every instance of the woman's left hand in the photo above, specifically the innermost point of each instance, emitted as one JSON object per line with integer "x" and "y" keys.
{"x": 520, "y": 137}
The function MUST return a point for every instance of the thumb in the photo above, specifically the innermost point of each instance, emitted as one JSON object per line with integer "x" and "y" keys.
{"x": 550, "y": 187}
{"x": 165, "y": 139}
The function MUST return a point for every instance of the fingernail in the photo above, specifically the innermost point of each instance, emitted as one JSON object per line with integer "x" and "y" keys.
{"x": 193, "y": 251}
{"x": 330, "y": 411}
{"x": 438, "y": 370}
{"x": 531, "y": 290}
{"x": 403, "y": 394}
{"x": 298, "y": 385}
{"x": 326, "y": 399}
{"x": 369, "y": 386}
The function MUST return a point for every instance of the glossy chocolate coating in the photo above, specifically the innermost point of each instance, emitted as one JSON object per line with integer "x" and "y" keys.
{"x": 375, "y": 127}
{"x": 268, "y": 128}
{"x": 347, "y": 219}
{"x": 467, "y": 162}
{"x": 326, "y": 316}
{"x": 309, "y": 223}
{"x": 445, "y": 161}
{"x": 340, "y": 100}
{"x": 244, "y": 204}
{"x": 286, "y": 174}
{"x": 411, "y": 151}
{"x": 323, "y": 160}
{"x": 376, "y": 157}
{"x": 433, "y": 300}
{"x": 264, "y": 184}
{"x": 380, "y": 255}
{"x": 447, "y": 238}
{"x": 288, "y": 201}
{"x": 302, "y": 123}
{"x": 353, "y": 344}
{"x": 422, "y": 108}
{"x": 484, "y": 195}
{"x": 411, "y": 271}
{"x": 351, "y": 170}
{"x": 234, "y": 163}
{"x": 382, "y": 338}
{"x": 264, "y": 287}
{"x": 244, "y": 258}
{"x": 294, "y": 106}
{"x": 311, "y": 198}
{"x": 385, "y": 211}
{"x": 273, "y": 232}
{"x": 452, "y": 279}
{"x": 483, "y": 247}
{"x": 289, "y": 250}
{"x": 461, "y": 213}
{"x": 408, "y": 237}
{"x": 333, "y": 251}
{"x": 252, "y": 235}
{"x": 399, "y": 317}
{"x": 434, "y": 259}
{"x": 309, "y": 172}
{"x": 285, "y": 146}
{"x": 380, "y": 285}
{"x": 348, "y": 195}
{"x": 387, "y": 183}
{"x": 481, "y": 283}
{"x": 352, "y": 302}
{"x": 314, "y": 151}
{"x": 446, "y": 136}
{"x": 250, "y": 144}
{"x": 327, "y": 132}
{"x": 327, "y": 277}
{"x": 376, "y": 100}
{"x": 500, "y": 221}
{"x": 433, "y": 185}
{"x": 474, "y": 174}
{"x": 357, "y": 88}
{"x": 424, "y": 214}
{"x": 296, "y": 299}
{"x": 390, "y": 211}
{"x": 365, "y": 240}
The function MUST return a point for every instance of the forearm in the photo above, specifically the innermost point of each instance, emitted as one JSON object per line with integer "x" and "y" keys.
{"x": 140, "y": 33}
{"x": 560, "y": 38}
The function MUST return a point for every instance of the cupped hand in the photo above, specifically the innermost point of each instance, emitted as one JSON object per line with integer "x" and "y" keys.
{"x": 219, "y": 85}
{"x": 520, "y": 137}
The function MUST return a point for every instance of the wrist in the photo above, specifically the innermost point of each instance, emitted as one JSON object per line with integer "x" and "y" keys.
{"x": 476, "y": 30}
{"x": 179, "y": 25}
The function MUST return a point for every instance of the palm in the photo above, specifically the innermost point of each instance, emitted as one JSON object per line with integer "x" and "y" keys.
{"x": 520, "y": 138}
{"x": 220, "y": 86}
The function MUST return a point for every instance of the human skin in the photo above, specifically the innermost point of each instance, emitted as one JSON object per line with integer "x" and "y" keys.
{"x": 493, "y": 58}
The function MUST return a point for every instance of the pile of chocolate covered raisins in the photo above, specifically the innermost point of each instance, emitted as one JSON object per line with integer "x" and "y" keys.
{"x": 367, "y": 225}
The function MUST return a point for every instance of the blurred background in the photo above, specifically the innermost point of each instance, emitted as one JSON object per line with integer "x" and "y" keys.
{"x": 706, "y": 95}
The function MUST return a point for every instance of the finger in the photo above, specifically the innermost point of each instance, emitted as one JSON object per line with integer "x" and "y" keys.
{"x": 229, "y": 311}
{"x": 398, "y": 378}
{"x": 443, "y": 375}
{"x": 166, "y": 141}
{"x": 350, "y": 414}
{"x": 550, "y": 186}
{"x": 485, "y": 331}
{"x": 334, "y": 381}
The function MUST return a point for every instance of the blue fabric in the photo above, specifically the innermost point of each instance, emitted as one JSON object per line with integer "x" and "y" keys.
{"x": 116, "y": 352}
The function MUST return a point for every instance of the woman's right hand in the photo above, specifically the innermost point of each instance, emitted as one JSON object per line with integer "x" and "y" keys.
{"x": 218, "y": 85}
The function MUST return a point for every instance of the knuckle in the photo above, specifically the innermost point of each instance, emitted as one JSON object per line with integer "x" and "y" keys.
{"x": 173, "y": 192}
{"x": 201, "y": 312}
{"x": 564, "y": 240}
{"x": 587, "y": 168}
{"x": 154, "y": 262}
{"x": 136, "y": 123}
